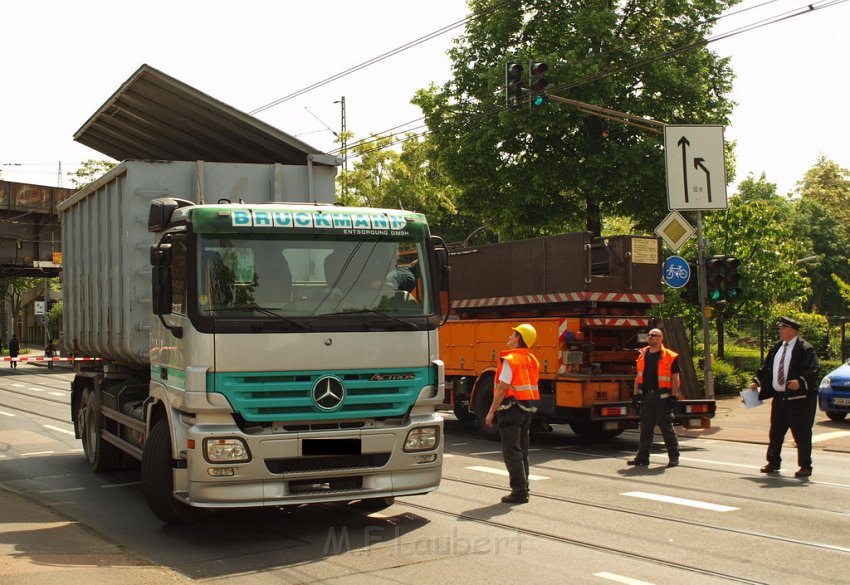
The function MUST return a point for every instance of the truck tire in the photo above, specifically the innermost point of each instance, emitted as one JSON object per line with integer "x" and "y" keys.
{"x": 158, "y": 479}
{"x": 461, "y": 410}
{"x": 592, "y": 430}
{"x": 835, "y": 415}
{"x": 483, "y": 399}
{"x": 101, "y": 454}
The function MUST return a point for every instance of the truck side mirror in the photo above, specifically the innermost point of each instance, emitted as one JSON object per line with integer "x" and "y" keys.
{"x": 161, "y": 290}
{"x": 161, "y": 255}
{"x": 441, "y": 276}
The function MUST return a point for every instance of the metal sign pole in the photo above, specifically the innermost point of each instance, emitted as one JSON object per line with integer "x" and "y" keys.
{"x": 703, "y": 291}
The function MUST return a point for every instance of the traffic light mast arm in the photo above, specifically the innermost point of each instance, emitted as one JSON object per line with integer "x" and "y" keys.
{"x": 647, "y": 124}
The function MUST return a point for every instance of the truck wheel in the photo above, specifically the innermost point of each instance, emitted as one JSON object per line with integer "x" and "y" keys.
{"x": 835, "y": 415}
{"x": 483, "y": 400}
{"x": 592, "y": 431}
{"x": 101, "y": 454}
{"x": 158, "y": 479}
{"x": 461, "y": 410}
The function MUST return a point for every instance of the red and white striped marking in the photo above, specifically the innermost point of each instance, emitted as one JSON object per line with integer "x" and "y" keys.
{"x": 615, "y": 322}
{"x": 51, "y": 359}
{"x": 572, "y": 297}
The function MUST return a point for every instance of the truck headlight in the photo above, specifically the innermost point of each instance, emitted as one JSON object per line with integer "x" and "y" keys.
{"x": 422, "y": 439}
{"x": 229, "y": 450}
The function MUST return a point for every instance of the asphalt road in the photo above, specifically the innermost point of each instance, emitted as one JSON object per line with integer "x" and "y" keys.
{"x": 591, "y": 518}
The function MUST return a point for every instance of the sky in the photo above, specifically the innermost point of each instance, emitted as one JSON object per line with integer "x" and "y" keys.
{"x": 65, "y": 59}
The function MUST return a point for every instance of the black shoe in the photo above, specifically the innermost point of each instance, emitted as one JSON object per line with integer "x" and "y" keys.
{"x": 770, "y": 468}
{"x": 638, "y": 462}
{"x": 803, "y": 472}
{"x": 515, "y": 499}
{"x": 673, "y": 463}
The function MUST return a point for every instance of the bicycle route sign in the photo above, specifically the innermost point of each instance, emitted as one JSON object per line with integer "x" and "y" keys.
{"x": 677, "y": 272}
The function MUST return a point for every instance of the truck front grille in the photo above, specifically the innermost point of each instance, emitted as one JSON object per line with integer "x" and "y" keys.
{"x": 287, "y": 396}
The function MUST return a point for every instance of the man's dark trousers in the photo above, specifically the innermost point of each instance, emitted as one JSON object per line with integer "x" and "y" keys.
{"x": 653, "y": 411}
{"x": 797, "y": 414}
{"x": 514, "y": 426}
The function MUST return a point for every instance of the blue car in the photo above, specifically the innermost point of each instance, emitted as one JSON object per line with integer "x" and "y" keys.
{"x": 834, "y": 392}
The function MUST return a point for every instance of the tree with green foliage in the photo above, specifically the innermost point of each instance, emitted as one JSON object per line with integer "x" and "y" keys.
{"x": 89, "y": 171}
{"x": 823, "y": 220}
{"x": 553, "y": 169}
{"x": 757, "y": 228}
{"x": 409, "y": 179}
{"x": 12, "y": 290}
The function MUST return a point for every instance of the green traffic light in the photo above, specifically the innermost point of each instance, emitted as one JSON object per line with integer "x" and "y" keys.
{"x": 539, "y": 100}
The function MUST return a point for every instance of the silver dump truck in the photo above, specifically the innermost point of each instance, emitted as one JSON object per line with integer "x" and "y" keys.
{"x": 256, "y": 348}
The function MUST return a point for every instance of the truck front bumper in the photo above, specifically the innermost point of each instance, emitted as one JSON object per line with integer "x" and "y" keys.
{"x": 310, "y": 466}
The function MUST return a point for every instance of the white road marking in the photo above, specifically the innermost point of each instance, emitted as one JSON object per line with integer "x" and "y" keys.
{"x": 115, "y": 485}
{"x": 503, "y": 472}
{"x": 57, "y": 429}
{"x": 56, "y": 393}
{"x": 18, "y": 385}
{"x": 76, "y": 489}
{"x": 34, "y": 453}
{"x": 827, "y": 436}
{"x": 480, "y": 453}
{"x": 621, "y": 578}
{"x": 6, "y": 413}
{"x": 35, "y": 389}
{"x": 680, "y": 501}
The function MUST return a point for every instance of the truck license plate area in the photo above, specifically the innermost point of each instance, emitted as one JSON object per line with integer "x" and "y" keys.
{"x": 319, "y": 447}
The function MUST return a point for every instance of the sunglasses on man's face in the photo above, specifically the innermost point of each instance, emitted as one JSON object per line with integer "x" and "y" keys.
{"x": 653, "y": 335}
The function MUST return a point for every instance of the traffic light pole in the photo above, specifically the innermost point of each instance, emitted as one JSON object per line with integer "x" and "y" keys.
{"x": 703, "y": 292}
{"x": 647, "y": 124}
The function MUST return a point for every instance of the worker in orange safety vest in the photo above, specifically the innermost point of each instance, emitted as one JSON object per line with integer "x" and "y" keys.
{"x": 515, "y": 399}
{"x": 656, "y": 391}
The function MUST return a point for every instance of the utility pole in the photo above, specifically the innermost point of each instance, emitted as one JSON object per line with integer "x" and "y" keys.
{"x": 343, "y": 142}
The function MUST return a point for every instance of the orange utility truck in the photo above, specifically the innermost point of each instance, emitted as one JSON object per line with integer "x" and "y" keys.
{"x": 588, "y": 299}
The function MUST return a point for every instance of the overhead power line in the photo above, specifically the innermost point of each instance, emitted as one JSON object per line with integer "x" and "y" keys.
{"x": 806, "y": 9}
{"x": 382, "y": 56}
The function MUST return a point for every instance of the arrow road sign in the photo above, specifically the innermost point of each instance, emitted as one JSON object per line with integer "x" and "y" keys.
{"x": 696, "y": 171}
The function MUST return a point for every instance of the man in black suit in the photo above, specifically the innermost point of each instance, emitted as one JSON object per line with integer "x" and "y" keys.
{"x": 789, "y": 375}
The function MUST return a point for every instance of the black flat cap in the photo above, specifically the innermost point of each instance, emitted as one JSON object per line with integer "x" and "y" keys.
{"x": 789, "y": 322}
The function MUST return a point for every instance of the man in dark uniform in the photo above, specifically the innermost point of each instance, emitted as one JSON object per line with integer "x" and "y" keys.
{"x": 656, "y": 390}
{"x": 789, "y": 375}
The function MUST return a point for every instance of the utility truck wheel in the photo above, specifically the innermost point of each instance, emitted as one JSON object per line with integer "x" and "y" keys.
{"x": 483, "y": 399}
{"x": 101, "y": 454}
{"x": 158, "y": 479}
{"x": 593, "y": 431}
{"x": 833, "y": 415}
{"x": 461, "y": 411}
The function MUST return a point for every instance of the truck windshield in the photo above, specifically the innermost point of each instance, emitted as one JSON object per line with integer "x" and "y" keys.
{"x": 255, "y": 275}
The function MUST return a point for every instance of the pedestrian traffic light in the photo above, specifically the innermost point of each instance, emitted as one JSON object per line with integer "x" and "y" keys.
{"x": 731, "y": 278}
{"x": 513, "y": 84}
{"x": 691, "y": 292}
{"x": 714, "y": 280}
{"x": 537, "y": 83}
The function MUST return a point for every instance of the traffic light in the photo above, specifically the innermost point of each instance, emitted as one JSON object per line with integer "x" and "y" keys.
{"x": 714, "y": 279}
{"x": 731, "y": 278}
{"x": 691, "y": 293}
{"x": 537, "y": 83}
{"x": 513, "y": 83}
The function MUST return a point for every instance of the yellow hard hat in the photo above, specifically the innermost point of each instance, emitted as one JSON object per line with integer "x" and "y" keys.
{"x": 528, "y": 333}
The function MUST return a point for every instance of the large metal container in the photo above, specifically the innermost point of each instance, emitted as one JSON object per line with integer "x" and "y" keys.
{"x": 565, "y": 269}
{"x": 106, "y": 243}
